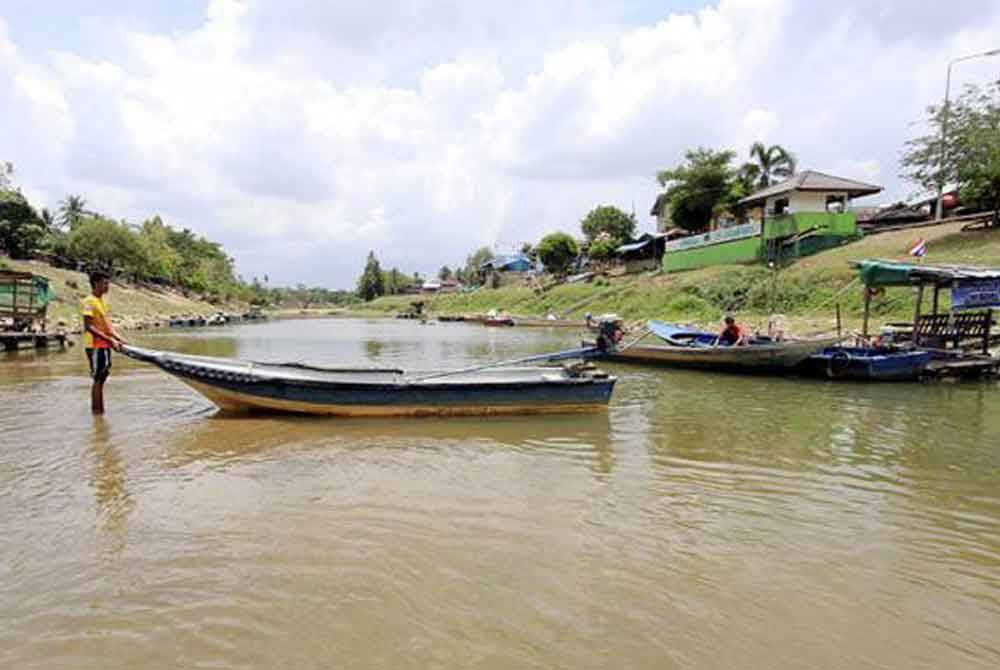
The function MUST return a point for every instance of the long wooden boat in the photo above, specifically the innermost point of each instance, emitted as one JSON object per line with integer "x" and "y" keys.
{"x": 759, "y": 357}
{"x": 235, "y": 385}
{"x": 696, "y": 349}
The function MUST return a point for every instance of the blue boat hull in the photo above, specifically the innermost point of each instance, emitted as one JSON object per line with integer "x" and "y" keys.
{"x": 867, "y": 364}
{"x": 242, "y": 386}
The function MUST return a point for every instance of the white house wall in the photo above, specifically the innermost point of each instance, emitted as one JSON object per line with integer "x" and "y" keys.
{"x": 805, "y": 201}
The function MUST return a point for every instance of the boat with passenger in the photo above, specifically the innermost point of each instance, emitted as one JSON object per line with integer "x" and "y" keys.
{"x": 692, "y": 348}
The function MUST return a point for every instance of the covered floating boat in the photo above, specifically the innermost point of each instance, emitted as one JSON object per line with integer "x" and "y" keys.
{"x": 868, "y": 364}
{"x": 235, "y": 385}
{"x": 697, "y": 349}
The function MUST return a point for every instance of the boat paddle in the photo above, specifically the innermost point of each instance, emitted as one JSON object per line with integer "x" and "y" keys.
{"x": 581, "y": 352}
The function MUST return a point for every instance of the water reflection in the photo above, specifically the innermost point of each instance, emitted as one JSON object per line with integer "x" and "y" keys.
{"x": 108, "y": 479}
{"x": 226, "y": 440}
{"x": 373, "y": 349}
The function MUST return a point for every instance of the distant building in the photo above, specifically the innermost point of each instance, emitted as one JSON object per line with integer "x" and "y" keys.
{"x": 809, "y": 191}
{"x": 513, "y": 263}
{"x": 661, "y": 211}
{"x": 449, "y": 285}
{"x": 505, "y": 270}
{"x": 808, "y": 212}
{"x": 645, "y": 253}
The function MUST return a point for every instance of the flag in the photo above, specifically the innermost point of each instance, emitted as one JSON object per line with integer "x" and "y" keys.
{"x": 919, "y": 249}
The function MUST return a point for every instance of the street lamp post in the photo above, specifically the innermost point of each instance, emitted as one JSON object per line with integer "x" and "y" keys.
{"x": 939, "y": 210}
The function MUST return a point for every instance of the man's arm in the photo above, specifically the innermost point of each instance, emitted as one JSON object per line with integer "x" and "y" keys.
{"x": 91, "y": 327}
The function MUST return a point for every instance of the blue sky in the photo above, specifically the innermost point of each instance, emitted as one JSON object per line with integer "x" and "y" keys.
{"x": 302, "y": 134}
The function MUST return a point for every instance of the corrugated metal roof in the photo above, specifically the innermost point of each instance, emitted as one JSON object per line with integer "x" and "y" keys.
{"x": 875, "y": 272}
{"x": 810, "y": 180}
{"x": 625, "y": 248}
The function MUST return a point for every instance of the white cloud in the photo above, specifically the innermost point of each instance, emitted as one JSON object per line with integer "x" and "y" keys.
{"x": 300, "y": 133}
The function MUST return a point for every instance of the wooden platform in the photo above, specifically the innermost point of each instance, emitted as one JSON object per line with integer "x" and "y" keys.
{"x": 12, "y": 341}
{"x": 978, "y": 366}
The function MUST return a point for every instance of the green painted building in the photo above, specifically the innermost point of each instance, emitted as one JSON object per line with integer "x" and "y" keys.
{"x": 802, "y": 215}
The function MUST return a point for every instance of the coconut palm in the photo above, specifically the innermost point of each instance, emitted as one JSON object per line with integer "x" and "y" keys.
{"x": 768, "y": 164}
{"x": 71, "y": 210}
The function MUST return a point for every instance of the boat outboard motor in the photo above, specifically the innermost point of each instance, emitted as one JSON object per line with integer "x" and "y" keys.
{"x": 609, "y": 334}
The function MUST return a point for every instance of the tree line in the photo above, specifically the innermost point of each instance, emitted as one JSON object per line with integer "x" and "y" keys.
{"x": 78, "y": 238}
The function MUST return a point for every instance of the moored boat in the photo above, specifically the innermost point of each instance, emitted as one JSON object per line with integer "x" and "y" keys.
{"x": 235, "y": 385}
{"x": 868, "y": 364}
{"x": 697, "y": 349}
{"x": 756, "y": 357}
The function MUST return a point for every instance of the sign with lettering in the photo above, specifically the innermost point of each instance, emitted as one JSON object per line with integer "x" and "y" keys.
{"x": 714, "y": 237}
{"x": 973, "y": 293}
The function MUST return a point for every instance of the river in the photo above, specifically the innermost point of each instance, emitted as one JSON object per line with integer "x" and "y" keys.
{"x": 703, "y": 521}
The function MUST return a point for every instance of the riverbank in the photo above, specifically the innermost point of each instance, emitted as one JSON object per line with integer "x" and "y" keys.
{"x": 133, "y": 307}
{"x": 805, "y": 293}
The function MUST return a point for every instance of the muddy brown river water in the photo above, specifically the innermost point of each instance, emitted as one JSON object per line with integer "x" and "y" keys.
{"x": 703, "y": 521}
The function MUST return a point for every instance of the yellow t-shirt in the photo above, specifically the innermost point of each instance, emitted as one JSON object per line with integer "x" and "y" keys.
{"x": 97, "y": 310}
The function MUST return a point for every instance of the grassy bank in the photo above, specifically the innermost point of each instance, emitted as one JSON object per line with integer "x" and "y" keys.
{"x": 805, "y": 292}
{"x": 131, "y": 306}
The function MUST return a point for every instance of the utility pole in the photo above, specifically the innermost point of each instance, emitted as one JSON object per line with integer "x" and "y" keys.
{"x": 939, "y": 209}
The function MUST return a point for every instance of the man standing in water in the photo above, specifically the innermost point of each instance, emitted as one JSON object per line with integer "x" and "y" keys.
{"x": 99, "y": 338}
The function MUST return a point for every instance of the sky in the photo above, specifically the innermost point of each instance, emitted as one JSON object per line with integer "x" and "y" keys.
{"x": 302, "y": 133}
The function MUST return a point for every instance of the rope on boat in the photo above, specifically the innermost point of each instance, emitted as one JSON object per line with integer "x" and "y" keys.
{"x": 581, "y": 352}
{"x": 647, "y": 332}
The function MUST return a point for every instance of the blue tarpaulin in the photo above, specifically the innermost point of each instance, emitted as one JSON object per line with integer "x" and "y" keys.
{"x": 515, "y": 263}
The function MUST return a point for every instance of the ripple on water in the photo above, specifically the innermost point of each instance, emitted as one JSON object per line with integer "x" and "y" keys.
{"x": 702, "y": 521}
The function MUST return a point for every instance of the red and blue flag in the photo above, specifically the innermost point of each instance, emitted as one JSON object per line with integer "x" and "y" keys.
{"x": 919, "y": 249}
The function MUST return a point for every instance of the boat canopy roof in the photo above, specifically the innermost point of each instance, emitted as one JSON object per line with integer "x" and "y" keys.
{"x": 875, "y": 272}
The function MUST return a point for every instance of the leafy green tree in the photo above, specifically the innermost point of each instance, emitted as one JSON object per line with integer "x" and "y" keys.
{"x": 72, "y": 209}
{"x": 391, "y": 281}
{"x": 969, "y": 155}
{"x": 557, "y": 252}
{"x": 21, "y": 229}
{"x": 768, "y": 165}
{"x": 55, "y": 245}
{"x": 473, "y": 263}
{"x": 701, "y": 186}
{"x": 203, "y": 265}
{"x": 444, "y": 273}
{"x": 163, "y": 261}
{"x": 602, "y": 250}
{"x": 97, "y": 242}
{"x": 609, "y": 221}
{"x": 371, "y": 284}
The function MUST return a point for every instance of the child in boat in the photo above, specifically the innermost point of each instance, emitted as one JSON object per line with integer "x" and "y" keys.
{"x": 99, "y": 338}
{"x": 732, "y": 334}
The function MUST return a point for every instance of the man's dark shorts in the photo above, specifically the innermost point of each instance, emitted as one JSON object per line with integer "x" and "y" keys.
{"x": 100, "y": 364}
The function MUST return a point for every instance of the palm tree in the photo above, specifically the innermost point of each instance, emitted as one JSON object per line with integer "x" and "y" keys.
{"x": 768, "y": 164}
{"x": 71, "y": 210}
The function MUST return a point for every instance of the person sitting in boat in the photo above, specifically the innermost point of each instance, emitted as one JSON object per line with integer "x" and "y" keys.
{"x": 732, "y": 334}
